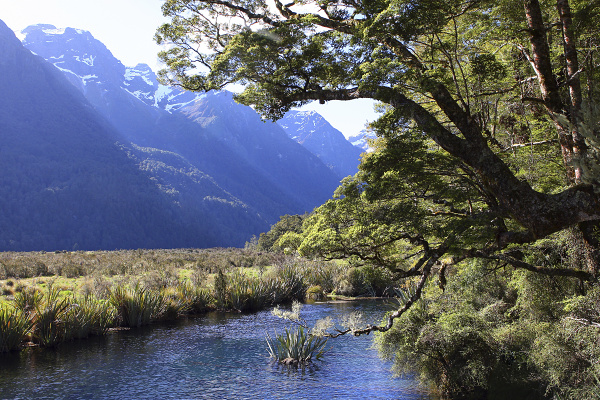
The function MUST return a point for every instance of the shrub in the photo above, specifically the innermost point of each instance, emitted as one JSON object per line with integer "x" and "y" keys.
{"x": 315, "y": 293}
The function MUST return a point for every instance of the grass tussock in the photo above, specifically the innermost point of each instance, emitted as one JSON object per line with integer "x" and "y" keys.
{"x": 296, "y": 346}
{"x": 14, "y": 327}
{"x": 137, "y": 306}
{"x": 53, "y": 298}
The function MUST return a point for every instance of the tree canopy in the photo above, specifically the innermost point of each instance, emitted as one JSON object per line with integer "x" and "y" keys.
{"x": 488, "y": 140}
{"x": 489, "y": 134}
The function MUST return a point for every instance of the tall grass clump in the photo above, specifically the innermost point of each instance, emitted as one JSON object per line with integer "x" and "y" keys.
{"x": 136, "y": 306}
{"x": 248, "y": 294}
{"x": 220, "y": 290}
{"x": 174, "y": 303}
{"x": 289, "y": 285}
{"x": 195, "y": 298}
{"x": 88, "y": 316}
{"x": 28, "y": 299}
{"x": 50, "y": 319}
{"x": 14, "y": 327}
{"x": 296, "y": 346}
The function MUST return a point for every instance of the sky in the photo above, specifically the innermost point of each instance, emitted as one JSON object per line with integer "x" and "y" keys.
{"x": 126, "y": 27}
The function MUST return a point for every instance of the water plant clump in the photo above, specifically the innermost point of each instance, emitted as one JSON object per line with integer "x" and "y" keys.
{"x": 296, "y": 346}
{"x": 136, "y": 306}
{"x": 50, "y": 319}
{"x": 301, "y": 345}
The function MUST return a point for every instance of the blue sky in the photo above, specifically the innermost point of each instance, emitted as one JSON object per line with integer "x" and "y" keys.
{"x": 127, "y": 29}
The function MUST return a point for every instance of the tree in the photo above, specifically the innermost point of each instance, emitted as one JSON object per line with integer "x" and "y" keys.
{"x": 456, "y": 71}
{"x": 489, "y": 139}
{"x": 287, "y": 223}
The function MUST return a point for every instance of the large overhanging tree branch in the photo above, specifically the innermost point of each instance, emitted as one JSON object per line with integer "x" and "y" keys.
{"x": 428, "y": 261}
{"x": 422, "y": 60}
{"x": 346, "y": 50}
{"x": 541, "y": 214}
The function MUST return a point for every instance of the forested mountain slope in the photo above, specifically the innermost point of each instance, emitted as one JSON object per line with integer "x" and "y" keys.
{"x": 95, "y": 155}
{"x": 253, "y": 160}
{"x": 65, "y": 183}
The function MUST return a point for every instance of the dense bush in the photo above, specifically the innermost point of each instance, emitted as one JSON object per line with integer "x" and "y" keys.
{"x": 499, "y": 333}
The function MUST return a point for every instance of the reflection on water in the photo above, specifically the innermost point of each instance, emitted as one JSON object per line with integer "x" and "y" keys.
{"x": 215, "y": 356}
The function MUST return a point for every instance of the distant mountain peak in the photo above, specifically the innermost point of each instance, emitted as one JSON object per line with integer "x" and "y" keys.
{"x": 362, "y": 139}
{"x": 316, "y": 134}
{"x": 222, "y": 167}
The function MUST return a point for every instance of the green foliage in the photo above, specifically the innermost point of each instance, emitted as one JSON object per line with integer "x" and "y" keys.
{"x": 368, "y": 280}
{"x": 15, "y": 325}
{"x": 221, "y": 290}
{"x": 136, "y": 306}
{"x": 248, "y": 293}
{"x": 50, "y": 319}
{"x": 269, "y": 241}
{"x": 88, "y": 316}
{"x": 195, "y": 298}
{"x": 296, "y": 346}
{"x": 498, "y": 333}
{"x": 28, "y": 299}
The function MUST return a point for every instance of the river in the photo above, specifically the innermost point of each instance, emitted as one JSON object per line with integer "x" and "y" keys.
{"x": 214, "y": 356}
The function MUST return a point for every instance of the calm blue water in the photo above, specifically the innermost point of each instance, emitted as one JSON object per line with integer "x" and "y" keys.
{"x": 210, "y": 357}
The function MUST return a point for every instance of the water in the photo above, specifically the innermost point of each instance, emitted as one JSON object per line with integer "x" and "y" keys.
{"x": 215, "y": 356}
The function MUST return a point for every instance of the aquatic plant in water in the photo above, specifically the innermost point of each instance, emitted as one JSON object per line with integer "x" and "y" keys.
{"x": 296, "y": 346}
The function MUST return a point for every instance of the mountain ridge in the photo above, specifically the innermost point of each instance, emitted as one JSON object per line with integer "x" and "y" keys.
{"x": 199, "y": 169}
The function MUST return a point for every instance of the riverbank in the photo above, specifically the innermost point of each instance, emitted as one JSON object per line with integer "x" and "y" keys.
{"x": 51, "y": 298}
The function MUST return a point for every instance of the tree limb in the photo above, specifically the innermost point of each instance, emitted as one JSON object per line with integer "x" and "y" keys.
{"x": 431, "y": 257}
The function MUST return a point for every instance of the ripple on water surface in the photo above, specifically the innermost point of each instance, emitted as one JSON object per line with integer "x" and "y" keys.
{"x": 210, "y": 357}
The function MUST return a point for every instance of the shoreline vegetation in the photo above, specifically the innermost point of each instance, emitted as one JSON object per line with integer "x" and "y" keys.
{"x": 51, "y": 298}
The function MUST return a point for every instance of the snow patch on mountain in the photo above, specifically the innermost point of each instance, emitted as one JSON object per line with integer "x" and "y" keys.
{"x": 86, "y": 59}
{"x": 363, "y": 139}
{"x": 312, "y": 131}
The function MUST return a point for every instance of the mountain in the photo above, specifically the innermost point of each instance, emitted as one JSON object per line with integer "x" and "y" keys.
{"x": 299, "y": 173}
{"x": 362, "y": 139}
{"x": 65, "y": 181}
{"x": 313, "y": 132}
{"x": 213, "y": 167}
